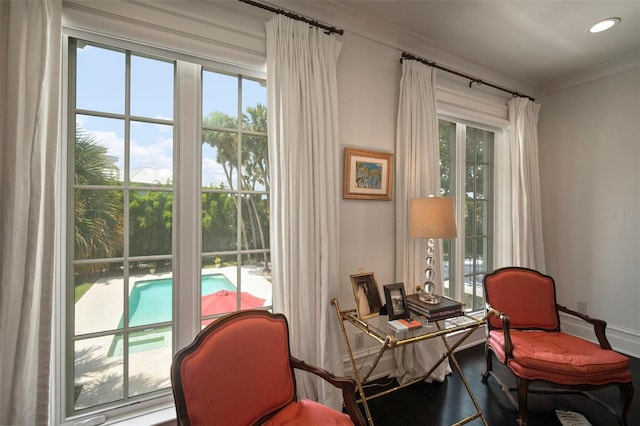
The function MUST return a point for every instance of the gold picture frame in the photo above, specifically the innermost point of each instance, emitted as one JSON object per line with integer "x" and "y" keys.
{"x": 368, "y": 175}
{"x": 366, "y": 294}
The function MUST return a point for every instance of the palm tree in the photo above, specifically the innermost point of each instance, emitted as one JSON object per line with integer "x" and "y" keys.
{"x": 254, "y": 163}
{"x": 98, "y": 212}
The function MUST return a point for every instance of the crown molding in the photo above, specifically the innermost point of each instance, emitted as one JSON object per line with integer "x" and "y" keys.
{"x": 595, "y": 73}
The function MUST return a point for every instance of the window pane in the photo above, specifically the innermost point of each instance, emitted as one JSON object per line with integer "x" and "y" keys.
{"x": 151, "y": 88}
{"x": 447, "y": 131}
{"x": 150, "y": 300}
{"x": 150, "y": 223}
{"x": 99, "y": 150}
{"x": 254, "y": 104}
{"x": 255, "y": 163}
{"x": 470, "y": 144}
{"x": 219, "y": 159}
{"x": 482, "y": 179}
{"x": 255, "y": 220}
{"x": 219, "y": 100}
{"x": 470, "y": 181}
{"x": 256, "y": 278}
{"x": 100, "y": 79}
{"x": 97, "y": 223}
{"x": 219, "y": 291}
{"x": 151, "y": 154}
{"x": 484, "y": 145}
{"x": 219, "y": 222}
{"x": 99, "y": 292}
{"x": 448, "y": 272}
{"x": 98, "y": 372}
{"x": 150, "y": 358}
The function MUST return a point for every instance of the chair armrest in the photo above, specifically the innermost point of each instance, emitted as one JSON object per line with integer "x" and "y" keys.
{"x": 599, "y": 326}
{"x": 346, "y": 384}
{"x": 506, "y": 329}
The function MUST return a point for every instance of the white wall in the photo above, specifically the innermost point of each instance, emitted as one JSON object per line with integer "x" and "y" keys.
{"x": 590, "y": 177}
{"x": 368, "y": 86}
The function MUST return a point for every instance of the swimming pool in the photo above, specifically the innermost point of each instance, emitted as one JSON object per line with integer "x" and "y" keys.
{"x": 150, "y": 300}
{"x": 150, "y": 303}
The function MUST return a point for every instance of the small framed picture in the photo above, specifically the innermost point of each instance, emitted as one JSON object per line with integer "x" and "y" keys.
{"x": 396, "y": 301}
{"x": 367, "y": 295}
{"x": 367, "y": 174}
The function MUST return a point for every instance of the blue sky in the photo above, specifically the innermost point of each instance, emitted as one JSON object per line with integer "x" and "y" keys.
{"x": 101, "y": 87}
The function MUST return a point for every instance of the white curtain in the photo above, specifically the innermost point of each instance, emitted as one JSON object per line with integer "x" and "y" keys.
{"x": 519, "y": 213}
{"x": 304, "y": 160}
{"x": 417, "y": 175}
{"x": 29, "y": 88}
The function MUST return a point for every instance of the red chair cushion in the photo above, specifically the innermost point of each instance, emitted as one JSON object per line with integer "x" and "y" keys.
{"x": 308, "y": 412}
{"x": 561, "y": 358}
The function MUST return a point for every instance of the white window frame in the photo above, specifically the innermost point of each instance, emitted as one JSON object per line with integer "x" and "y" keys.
{"x": 458, "y": 252}
{"x": 187, "y": 241}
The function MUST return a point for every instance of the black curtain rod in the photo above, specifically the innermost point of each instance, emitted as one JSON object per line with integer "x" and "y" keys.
{"x": 409, "y": 56}
{"x": 292, "y": 15}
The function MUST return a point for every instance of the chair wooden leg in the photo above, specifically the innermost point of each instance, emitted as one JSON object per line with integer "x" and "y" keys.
{"x": 523, "y": 389}
{"x": 626, "y": 395}
{"x": 489, "y": 361}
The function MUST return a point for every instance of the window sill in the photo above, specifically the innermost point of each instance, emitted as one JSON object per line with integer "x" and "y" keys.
{"x": 159, "y": 414}
{"x": 162, "y": 417}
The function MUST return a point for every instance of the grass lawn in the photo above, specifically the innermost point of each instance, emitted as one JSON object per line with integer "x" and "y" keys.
{"x": 80, "y": 290}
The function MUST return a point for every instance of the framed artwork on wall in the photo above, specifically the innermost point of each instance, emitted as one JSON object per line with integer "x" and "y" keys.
{"x": 396, "y": 299}
{"x": 367, "y": 295}
{"x": 368, "y": 175}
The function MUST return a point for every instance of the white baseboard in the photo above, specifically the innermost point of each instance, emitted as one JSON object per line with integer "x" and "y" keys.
{"x": 622, "y": 339}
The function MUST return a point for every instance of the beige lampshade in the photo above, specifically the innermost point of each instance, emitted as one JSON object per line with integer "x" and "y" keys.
{"x": 432, "y": 217}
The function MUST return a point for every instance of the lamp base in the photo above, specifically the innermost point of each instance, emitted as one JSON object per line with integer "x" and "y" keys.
{"x": 428, "y": 293}
{"x": 431, "y": 299}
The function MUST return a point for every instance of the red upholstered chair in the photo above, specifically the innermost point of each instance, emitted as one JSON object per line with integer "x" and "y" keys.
{"x": 527, "y": 339}
{"x": 239, "y": 371}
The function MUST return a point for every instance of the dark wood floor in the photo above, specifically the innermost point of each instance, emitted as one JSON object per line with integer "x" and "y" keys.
{"x": 446, "y": 403}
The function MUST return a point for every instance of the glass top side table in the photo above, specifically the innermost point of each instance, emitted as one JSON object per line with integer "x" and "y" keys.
{"x": 377, "y": 328}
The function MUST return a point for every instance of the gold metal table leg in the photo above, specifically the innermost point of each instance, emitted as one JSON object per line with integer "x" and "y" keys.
{"x": 453, "y": 359}
{"x": 356, "y": 374}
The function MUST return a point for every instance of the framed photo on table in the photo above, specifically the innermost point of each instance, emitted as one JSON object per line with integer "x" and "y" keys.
{"x": 367, "y": 295}
{"x": 368, "y": 175}
{"x": 396, "y": 298}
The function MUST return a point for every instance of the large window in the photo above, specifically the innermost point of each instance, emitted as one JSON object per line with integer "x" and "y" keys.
{"x": 466, "y": 167}
{"x": 131, "y": 288}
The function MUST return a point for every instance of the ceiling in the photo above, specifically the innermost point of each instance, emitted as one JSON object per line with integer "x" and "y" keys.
{"x": 536, "y": 41}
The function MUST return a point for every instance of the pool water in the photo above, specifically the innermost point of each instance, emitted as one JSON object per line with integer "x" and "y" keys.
{"x": 150, "y": 303}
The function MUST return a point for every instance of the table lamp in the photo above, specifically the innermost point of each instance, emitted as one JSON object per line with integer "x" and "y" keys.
{"x": 431, "y": 218}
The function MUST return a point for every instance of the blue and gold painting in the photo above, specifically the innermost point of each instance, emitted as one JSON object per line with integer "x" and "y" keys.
{"x": 368, "y": 175}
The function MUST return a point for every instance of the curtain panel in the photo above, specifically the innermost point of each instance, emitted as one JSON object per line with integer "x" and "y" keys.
{"x": 29, "y": 114}
{"x": 417, "y": 176}
{"x": 518, "y": 218}
{"x": 304, "y": 161}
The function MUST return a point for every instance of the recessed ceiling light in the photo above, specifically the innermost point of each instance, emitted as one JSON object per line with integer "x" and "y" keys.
{"x": 603, "y": 25}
